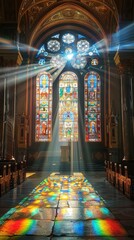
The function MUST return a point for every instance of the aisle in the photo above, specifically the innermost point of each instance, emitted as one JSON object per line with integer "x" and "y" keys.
{"x": 61, "y": 207}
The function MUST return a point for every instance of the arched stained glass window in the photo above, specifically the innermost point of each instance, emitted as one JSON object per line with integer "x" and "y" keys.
{"x": 68, "y": 107}
{"x": 92, "y": 85}
{"x": 43, "y": 130}
{"x": 70, "y": 51}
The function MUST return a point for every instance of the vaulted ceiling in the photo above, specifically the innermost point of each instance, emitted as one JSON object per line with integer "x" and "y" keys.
{"x": 42, "y": 16}
{"x": 35, "y": 18}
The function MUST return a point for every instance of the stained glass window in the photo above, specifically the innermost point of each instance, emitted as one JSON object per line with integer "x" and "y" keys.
{"x": 92, "y": 89}
{"x": 79, "y": 62}
{"x": 53, "y": 45}
{"x": 68, "y": 38}
{"x": 68, "y": 107}
{"x": 57, "y": 61}
{"x": 43, "y": 130}
{"x": 41, "y": 50}
{"x": 94, "y": 62}
{"x": 42, "y": 61}
{"x": 65, "y": 48}
{"x": 83, "y": 46}
{"x": 68, "y": 51}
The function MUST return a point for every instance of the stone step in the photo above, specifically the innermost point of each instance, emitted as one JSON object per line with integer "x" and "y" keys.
{"x": 55, "y": 164}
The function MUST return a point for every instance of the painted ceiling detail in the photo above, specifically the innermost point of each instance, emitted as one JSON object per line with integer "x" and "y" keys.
{"x": 110, "y": 3}
{"x": 70, "y": 14}
{"x": 35, "y": 11}
{"x": 26, "y": 5}
{"x": 104, "y": 9}
{"x": 67, "y": 14}
{"x": 39, "y": 14}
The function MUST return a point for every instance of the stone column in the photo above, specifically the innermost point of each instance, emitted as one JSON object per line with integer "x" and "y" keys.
{"x": 125, "y": 64}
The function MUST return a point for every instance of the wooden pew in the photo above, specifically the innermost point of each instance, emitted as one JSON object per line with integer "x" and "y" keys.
{"x": 14, "y": 176}
{"x": 129, "y": 174}
{"x": 21, "y": 171}
{"x": 112, "y": 173}
{"x": 7, "y": 176}
{"x": 122, "y": 177}
{"x": 11, "y": 174}
{"x": 2, "y": 179}
{"x": 116, "y": 168}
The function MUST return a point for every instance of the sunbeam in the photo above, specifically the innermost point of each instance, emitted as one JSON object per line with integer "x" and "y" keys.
{"x": 21, "y": 72}
{"x": 122, "y": 40}
{"x": 56, "y": 74}
{"x": 8, "y": 44}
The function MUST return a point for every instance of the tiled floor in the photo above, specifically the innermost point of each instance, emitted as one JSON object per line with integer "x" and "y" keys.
{"x": 66, "y": 207}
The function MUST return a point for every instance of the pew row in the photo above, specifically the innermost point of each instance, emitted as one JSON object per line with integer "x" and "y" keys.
{"x": 11, "y": 174}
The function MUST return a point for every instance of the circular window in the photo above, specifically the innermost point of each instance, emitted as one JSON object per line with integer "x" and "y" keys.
{"x": 68, "y": 38}
{"x": 83, "y": 46}
{"x": 94, "y": 62}
{"x": 53, "y": 45}
{"x": 58, "y": 61}
{"x": 79, "y": 62}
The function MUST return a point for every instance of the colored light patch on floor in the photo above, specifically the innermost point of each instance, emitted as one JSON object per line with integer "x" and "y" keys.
{"x": 107, "y": 227}
{"x": 84, "y": 203}
{"x": 26, "y": 227}
{"x": 18, "y": 227}
{"x": 92, "y": 196}
{"x": 98, "y": 228}
{"x": 81, "y": 197}
{"x": 32, "y": 212}
{"x": 45, "y": 202}
{"x": 8, "y": 214}
{"x": 62, "y": 203}
{"x": 83, "y": 213}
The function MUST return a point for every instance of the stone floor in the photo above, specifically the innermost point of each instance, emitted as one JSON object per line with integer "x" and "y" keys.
{"x": 57, "y": 206}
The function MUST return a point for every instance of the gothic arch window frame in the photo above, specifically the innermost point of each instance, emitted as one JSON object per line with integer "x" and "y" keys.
{"x": 93, "y": 64}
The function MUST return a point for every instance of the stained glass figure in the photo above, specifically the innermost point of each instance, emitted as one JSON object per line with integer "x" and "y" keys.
{"x": 43, "y": 130}
{"x": 68, "y": 107}
{"x": 68, "y": 38}
{"x": 92, "y": 89}
{"x": 53, "y": 45}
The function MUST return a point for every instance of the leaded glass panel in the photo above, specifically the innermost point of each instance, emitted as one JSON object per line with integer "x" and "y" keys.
{"x": 78, "y": 62}
{"x": 43, "y": 130}
{"x": 53, "y": 45}
{"x": 83, "y": 46}
{"x": 92, "y": 89}
{"x": 68, "y": 38}
{"x": 68, "y": 107}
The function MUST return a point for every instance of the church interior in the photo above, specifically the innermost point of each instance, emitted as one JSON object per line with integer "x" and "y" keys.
{"x": 67, "y": 119}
